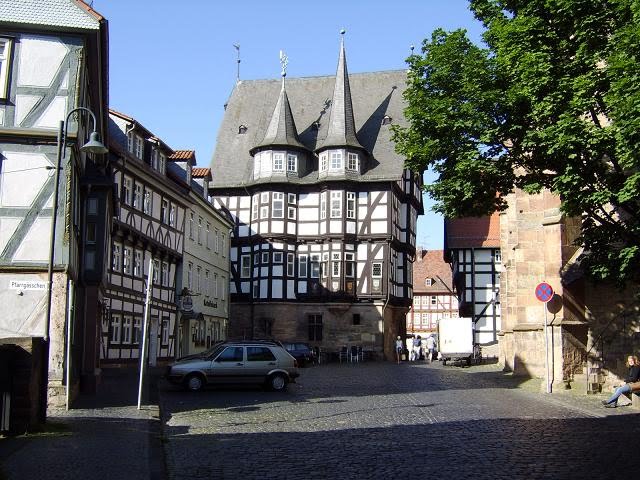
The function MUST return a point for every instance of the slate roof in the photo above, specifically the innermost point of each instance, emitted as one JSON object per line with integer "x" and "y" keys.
{"x": 55, "y": 13}
{"x": 252, "y": 102}
{"x": 472, "y": 232}
{"x": 431, "y": 264}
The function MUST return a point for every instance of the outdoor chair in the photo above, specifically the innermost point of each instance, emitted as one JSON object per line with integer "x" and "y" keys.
{"x": 343, "y": 353}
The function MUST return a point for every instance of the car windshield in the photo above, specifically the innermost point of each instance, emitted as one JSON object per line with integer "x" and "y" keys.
{"x": 213, "y": 350}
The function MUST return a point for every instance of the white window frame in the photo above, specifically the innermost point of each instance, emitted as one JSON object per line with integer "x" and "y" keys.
{"x": 314, "y": 265}
{"x": 291, "y": 264}
{"x": 336, "y": 204}
{"x": 324, "y": 161}
{"x": 172, "y": 215}
{"x": 156, "y": 271}
{"x": 5, "y": 59}
{"x": 126, "y": 329}
{"x": 164, "y": 211}
{"x": 126, "y": 191}
{"x": 303, "y": 264}
{"x": 116, "y": 251}
{"x": 137, "y": 263}
{"x": 353, "y": 162}
{"x": 164, "y": 274}
{"x": 277, "y": 258}
{"x": 137, "y": 330}
{"x": 147, "y": 205}
{"x": 323, "y": 205}
{"x": 264, "y": 211}
{"x": 351, "y": 205}
{"x": 350, "y": 265}
{"x": 336, "y": 162}
{"x": 127, "y": 260}
{"x": 277, "y": 205}
{"x": 278, "y": 162}
{"x": 291, "y": 213}
{"x": 292, "y": 198}
{"x": 264, "y": 197}
{"x": 245, "y": 266}
{"x": 292, "y": 163}
{"x": 116, "y": 325}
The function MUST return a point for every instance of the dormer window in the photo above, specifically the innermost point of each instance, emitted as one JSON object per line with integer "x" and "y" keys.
{"x": 242, "y": 129}
{"x": 353, "y": 162}
{"x": 278, "y": 162}
{"x": 323, "y": 162}
{"x": 336, "y": 161}
{"x": 292, "y": 163}
{"x": 135, "y": 145}
{"x": 428, "y": 282}
{"x": 386, "y": 120}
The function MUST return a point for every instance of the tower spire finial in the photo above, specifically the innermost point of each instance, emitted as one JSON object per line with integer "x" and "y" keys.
{"x": 237, "y": 47}
{"x": 284, "y": 61}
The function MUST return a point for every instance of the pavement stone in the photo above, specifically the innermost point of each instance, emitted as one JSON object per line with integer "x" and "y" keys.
{"x": 104, "y": 436}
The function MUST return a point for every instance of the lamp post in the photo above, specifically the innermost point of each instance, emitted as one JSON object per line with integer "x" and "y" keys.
{"x": 92, "y": 146}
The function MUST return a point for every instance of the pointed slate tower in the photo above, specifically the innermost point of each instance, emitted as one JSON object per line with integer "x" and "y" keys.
{"x": 341, "y": 131}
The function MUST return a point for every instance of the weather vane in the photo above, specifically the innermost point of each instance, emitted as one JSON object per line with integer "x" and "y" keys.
{"x": 284, "y": 61}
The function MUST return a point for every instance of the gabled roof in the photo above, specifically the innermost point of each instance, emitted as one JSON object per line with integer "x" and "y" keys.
{"x": 472, "y": 232}
{"x": 54, "y": 13}
{"x": 183, "y": 156}
{"x": 431, "y": 264}
{"x": 120, "y": 134}
{"x": 374, "y": 95}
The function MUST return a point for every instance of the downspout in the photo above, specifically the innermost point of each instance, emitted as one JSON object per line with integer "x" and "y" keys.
{"x": 388, "y": 283}
{"x": 251, "y": 305}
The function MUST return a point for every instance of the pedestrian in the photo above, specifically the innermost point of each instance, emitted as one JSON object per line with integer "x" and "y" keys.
{"x": 417, "y": 346}
{"x": 398, "y": 348}
{"x": 431, "y": 347}
{"x": 632, "y": 382}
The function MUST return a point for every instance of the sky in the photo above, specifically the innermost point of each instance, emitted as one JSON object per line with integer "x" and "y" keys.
{"x": 173, "y": 64}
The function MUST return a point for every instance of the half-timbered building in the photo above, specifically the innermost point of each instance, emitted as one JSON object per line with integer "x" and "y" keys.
{"x": 148, "y": 228}
{"x": 472, "y": 246}
{"x": 53, "y": 68}
{"x": 203, "y": 283}
{"x": 433, "y": 294}
{"x": 324, "y": 210}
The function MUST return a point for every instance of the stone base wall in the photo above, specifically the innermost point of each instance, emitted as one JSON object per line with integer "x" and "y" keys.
{"x": 289, "y": 322}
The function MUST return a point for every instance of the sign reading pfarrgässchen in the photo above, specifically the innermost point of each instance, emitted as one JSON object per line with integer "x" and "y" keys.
{"x": 27, "y": 285}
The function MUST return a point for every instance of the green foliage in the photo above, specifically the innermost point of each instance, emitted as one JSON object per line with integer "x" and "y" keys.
{"x": 551, "y": 101}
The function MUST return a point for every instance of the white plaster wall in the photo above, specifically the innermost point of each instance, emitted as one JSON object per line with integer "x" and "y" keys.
{"x": 40, "y": 60}
{"x": 32, "y": 248}
{"x": 55, "y": 111}
{"x": 24, "y": 104}
{"x": 23, "y": 175}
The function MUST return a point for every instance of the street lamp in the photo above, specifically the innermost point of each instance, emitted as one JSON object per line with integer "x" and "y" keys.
{"x": 95, "y": 146}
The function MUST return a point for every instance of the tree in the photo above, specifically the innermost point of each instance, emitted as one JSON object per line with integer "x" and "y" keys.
{"x": 551, "y": 101}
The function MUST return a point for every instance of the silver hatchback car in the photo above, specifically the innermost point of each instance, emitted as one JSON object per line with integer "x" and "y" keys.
{"x": 242, "y": 362}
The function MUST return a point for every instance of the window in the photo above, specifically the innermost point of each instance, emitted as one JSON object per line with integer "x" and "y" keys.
{"x": 434, "y": 300}
{"x": 164, "y": 274}
{"x": 91, "y": 233}
{"x": 92, "y": 206}
{"x": 260, "y": 354}
{"x": 172, "y": 216}
{"x": 137, "y": 263}
{"x": 497, "y": 256}
{"x": 264, "y": 197}
{"x": 137, "y": 197}
{"x": 165, "y": 331}
{"x": 256, "y": 258}
{"x": 245, "y": 266}
{"x": 223, "y": 243}
{"x": 335, "y": 268}
{"x": 278, "y": 205}
{"x": 154, "y": 158}
{"x": 190, "y": 276}
{"x": 315, "y": 265}
{"x": 323, "y": 205}
{"x": 5, "y": 58}
{"x": 115, "y": 329}
{"x": 126, "y": 330}
{"x": 127, "y": 260}
{"x": 376, "y": 270}
{"x": 416, "y": 301}
{"x": 302, "y": 266}
{"x": 323, "y": 162}
{"x": 336, "y": 204}
{"x": 315, "y": 328}
{"x": 231, "y": 354}
{"x": 278, "y": 162}
{"x": 216, "y": 242}
{"x": 156, "y": 271}
{"x": 137, "y": 332}
{"x": 148, "y": 199}
{"x": 291, "y": 213}
{"x": 162, "y": 162}
{"x": 199, "y": 232}
{"x": 208, "y": 236}
{"x": 126, "y": 191}
{"x": 292, "y": 163}
{"x": 164, "y": 212}
{"x": 207, "y": 286}
{"x": 115, "y": 257}
{"x": 352, "y": 162}
{"x": 223, "y": 288}
{"x": 198, "y": 277}
{"x": 290, "y": 264}
{"x": 264, "y": 212}
{"x": 191, "y": 221}
{"x": 277, "y": 257}
{"x": 336, "y": 160}
{"x": 135, "y": 144}
{"x": 349, "y": 265}
{"x": 291, "y": 198}
{"x": 351, "y": 205}
{"x": 265, "y": 257}
{"x": 428, "y": 282}
{"x": 254, "y": 208}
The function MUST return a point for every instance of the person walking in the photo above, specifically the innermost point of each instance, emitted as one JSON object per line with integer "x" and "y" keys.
{"x": 417, "y": 347}
{"x": 398, "y": 349}
{"x": 632, "y": 382}
{"x": 431, "y": 347}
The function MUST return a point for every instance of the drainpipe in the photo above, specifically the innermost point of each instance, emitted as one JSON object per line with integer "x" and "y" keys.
{"x": 388, "y": 283}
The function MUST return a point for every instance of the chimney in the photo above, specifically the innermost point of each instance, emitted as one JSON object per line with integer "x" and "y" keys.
{"x": 419, "y": 254}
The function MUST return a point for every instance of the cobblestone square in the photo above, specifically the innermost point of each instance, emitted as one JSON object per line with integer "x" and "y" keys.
{"x": 382, "y": 420}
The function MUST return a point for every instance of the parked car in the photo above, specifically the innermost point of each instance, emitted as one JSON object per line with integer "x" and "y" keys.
{"x": 241, "y": 362}
{"x": 302, "y": 352}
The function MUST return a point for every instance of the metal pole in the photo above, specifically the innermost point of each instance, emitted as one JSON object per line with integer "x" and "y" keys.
{"x": 143, "y": 354}
{"x": 69, "y": 336}
{"x": 546, "y": 349}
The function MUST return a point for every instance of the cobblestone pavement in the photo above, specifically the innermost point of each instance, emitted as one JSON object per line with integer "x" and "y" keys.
{"x": 382, "y": 420}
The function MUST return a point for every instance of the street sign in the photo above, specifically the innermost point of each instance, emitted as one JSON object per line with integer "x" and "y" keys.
{"x": 544, "y": 292}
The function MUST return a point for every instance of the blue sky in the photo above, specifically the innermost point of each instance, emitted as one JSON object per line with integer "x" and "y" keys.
{"x": 172, "y": 64}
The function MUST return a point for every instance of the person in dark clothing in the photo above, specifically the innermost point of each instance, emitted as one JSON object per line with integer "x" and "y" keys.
{"x": 632, "y": 376}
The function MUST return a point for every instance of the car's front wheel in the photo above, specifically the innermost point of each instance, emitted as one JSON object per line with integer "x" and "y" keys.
{"x": 194, "y": 382}
{"x": 277, "y": 382}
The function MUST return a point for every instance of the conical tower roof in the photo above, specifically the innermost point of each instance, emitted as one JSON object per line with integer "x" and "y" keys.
{"x": 341, "y": 131}
{"x": 281, "y": 131}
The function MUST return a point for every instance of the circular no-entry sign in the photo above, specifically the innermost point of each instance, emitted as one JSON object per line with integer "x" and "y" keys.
{"x": 544, "y": 292}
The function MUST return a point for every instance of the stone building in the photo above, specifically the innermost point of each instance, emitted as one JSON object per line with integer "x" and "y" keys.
{"x": 324, "y": 210}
